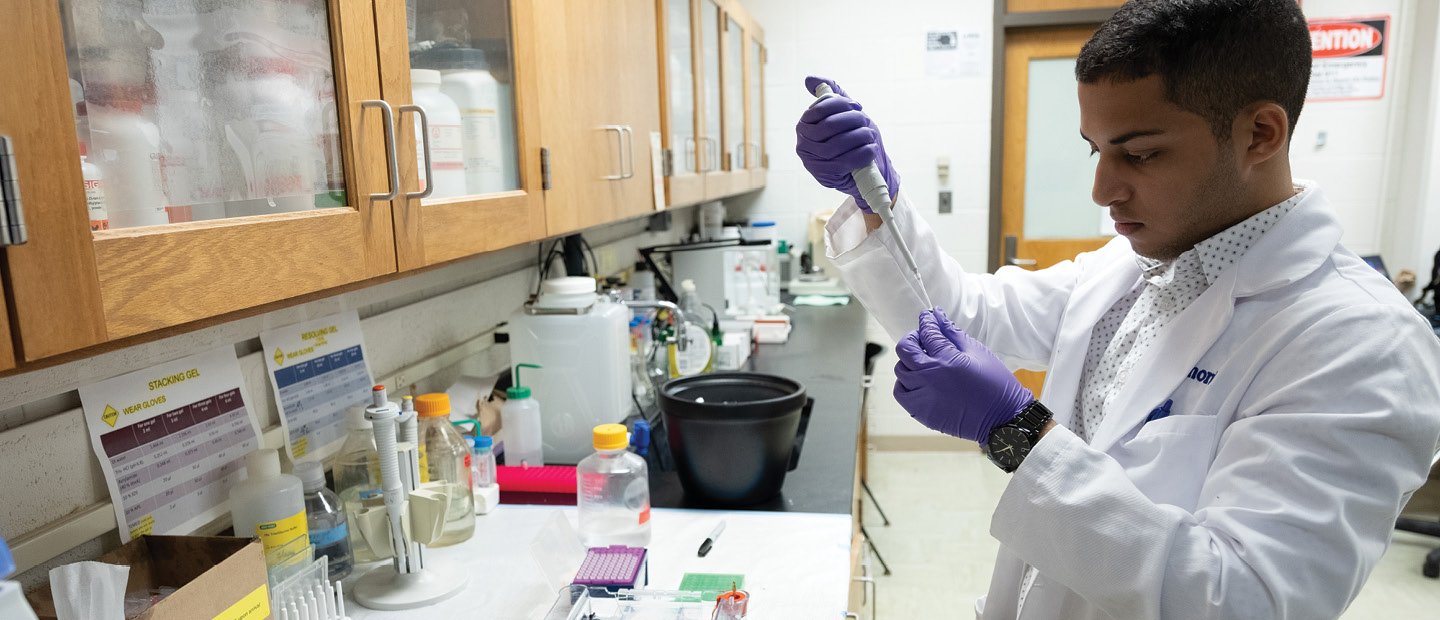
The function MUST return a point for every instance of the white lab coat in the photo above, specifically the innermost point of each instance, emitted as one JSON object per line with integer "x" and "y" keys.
{"x": 1271, "y": 489}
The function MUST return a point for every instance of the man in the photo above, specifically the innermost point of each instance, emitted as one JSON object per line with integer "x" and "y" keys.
{"x": 1237, "y": 407}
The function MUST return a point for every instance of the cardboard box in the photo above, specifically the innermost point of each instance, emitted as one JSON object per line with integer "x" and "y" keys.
{"x": 215, "y": 577}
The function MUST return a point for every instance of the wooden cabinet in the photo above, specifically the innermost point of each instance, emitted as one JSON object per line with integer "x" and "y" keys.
{"x": 731, "y": 154}
{"x": 598, "y": 104}
{"x": 678, "y": 29}
{"x": 757, "y": 159}
{"x": 487, "y": 191}
{"x": 238, "y": 109}
{"x": 181, "y": 162}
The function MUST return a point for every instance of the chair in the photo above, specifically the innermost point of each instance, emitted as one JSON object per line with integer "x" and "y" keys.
{"x": 1431, "y": 567}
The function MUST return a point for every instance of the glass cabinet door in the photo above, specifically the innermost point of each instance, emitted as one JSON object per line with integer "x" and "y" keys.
{"x": 755, "y": 153}
{"x": 225, "y": 154}
{"x": 734, "y": 89}
{"x": 680, "y": 87}
{"x": 453, "y": 66}
{"x": 710, "y": 51}
{"x": 190, "y": 110}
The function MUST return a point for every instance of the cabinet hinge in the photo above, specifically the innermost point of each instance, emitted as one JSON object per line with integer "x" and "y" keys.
{"x": 765, "y": 160}
{"x": 12, "y": 215}
{"x": 544, "y": 168}
{"x": 667, "y": 163}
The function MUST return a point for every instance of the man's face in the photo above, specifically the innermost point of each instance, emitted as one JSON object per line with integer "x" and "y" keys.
{"x": 1167, "y": 181}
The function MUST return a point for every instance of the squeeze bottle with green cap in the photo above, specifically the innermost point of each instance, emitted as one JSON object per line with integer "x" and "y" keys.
{"x": 520, "y": 423}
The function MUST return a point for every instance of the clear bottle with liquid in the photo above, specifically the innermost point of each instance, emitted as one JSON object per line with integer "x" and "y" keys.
{"x": 613, "y": 500}
{"x": 699, "y": 353}
{"x": 329, "y": 534}
{"x": 448, "y": 463}
{"x": 357, "y": 477}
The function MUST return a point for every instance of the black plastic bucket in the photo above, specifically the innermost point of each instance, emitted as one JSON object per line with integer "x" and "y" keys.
{"x": 734, "y": 435}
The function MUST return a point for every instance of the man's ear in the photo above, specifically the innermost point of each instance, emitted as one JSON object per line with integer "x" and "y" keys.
{"x": 1263, "y": 130}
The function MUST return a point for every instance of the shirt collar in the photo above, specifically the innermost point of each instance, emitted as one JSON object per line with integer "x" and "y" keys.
{"x": 1212, "y": 256}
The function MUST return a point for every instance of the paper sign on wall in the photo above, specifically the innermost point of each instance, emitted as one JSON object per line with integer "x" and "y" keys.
{"x": 171, "y": 440}
{"x": 317, "y": 371}
{"x": 952, "y": 54}
{"x": 1348, "y": 58}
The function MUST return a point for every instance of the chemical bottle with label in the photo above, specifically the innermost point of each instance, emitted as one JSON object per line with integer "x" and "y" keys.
{"x": 127, "y": 149}
{"x": 699, "y": 354}
{"x": 468, "y": 82}
{"x": 357, "y": 476}
{"x": 520, "y": 421}
{"x": 270, "y": 506}
{"x": 329, "y": 534}
{"x": 449, "y": 464}
{"x": 613, "y": 500}
{"x": 447, "y": 148}
{"x": 94, "y": 191}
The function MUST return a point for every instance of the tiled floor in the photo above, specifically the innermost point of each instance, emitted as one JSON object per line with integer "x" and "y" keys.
{"x": 940, "y": 550}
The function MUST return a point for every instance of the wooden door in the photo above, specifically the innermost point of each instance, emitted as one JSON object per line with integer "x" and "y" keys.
{"x": 1049, "y": 218}
{"x": 598, "y": 102}
{"x": 635, "y": 93}
{"x": 238, "y": 162}
{"x": 679, "y": 46}
{"x": 486, "y": 191}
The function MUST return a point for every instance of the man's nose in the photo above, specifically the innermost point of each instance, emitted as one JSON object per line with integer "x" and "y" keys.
{"x": 1109, "y": 189}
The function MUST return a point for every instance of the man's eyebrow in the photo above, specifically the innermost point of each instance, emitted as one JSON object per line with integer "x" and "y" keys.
{"x": 1126, "y": 137}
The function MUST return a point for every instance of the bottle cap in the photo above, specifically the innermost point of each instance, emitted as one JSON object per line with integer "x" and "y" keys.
{"x": 611, "y": 437}
{"x": 311, "y": 474}
{"x": 432, "y": 405}
{"x": 483, "y": 441}
{"x": 263, "y": 464}
{"x": 687, "y": 286}
{"x": 518, "y": 391}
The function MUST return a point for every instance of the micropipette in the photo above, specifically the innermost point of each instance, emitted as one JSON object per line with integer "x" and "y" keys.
{"x": 877, "y": 193}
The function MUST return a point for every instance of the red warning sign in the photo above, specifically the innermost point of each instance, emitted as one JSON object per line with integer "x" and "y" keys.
{"x": 1348, "y": 58}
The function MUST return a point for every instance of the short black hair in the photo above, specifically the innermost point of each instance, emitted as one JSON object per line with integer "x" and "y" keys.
{"x": 1215, "y": 56}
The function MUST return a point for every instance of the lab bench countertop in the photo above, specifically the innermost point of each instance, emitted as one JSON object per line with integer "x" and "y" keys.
{"x": 796, "y": 566}
{"x": 825, "y": 354}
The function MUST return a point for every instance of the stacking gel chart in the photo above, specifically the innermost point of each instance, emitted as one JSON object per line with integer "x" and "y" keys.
{"x": 171, "y": 440}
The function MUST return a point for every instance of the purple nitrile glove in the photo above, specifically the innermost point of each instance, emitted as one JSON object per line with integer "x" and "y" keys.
{"x": 951, "y": 383}
{"x": 835, "y": 137}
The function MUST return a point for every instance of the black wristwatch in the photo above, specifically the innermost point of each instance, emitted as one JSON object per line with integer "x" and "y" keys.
{"x": 1012, "y": 441}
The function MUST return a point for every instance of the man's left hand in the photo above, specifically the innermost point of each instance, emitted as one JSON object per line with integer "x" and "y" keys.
{"x": 951, "y": 383}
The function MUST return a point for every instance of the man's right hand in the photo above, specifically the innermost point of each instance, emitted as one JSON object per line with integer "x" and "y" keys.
{"x": 835, "y": 137}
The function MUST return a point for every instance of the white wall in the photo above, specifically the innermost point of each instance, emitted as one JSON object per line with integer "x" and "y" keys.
{"x": 1359, "y": 165}
{"x": 1411, "y": 233}
{"x": 419, "y": 332}
{"x": 877, "y": 53}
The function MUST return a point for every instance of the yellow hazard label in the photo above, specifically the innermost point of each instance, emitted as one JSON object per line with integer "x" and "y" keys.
{"x": 301, "y": 447}
{"x": 110, "y": 416}
{"x": 145, "y": 526}
{"x": 279, "y": 357}
{"x": 255, "y": 606}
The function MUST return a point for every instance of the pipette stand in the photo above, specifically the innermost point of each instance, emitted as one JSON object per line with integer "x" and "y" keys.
{"x": 414, "y": 513}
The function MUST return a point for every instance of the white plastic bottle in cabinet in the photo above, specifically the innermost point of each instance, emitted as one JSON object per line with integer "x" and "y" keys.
{"x": 477, "y": 95}
{"x": 94, "y": 191}
{"x": 447, "y": 148}
{"x": 127, "y": 149}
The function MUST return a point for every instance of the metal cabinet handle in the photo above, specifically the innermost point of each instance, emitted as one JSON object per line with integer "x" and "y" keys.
{"x": 424, "y": 137}
{"x": 1010, "y": 244}
{"x": 751, "y": 147}
{"x": 620, "y": 135}
{"x": 628, "y": 159}
{"x": 712, "y": 163}
{"x": 690, "y": 154}
{"x": 387, "y": 115}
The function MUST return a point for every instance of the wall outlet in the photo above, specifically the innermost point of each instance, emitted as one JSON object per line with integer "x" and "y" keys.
{"x": 946, "y": 200}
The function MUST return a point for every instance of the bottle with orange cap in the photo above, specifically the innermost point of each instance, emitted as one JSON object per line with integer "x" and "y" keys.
{"x": 448, "y": 463}
{"x": 613, "y": 494}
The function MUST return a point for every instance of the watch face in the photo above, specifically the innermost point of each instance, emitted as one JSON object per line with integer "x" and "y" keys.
{"x": 1008, "y": 447}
